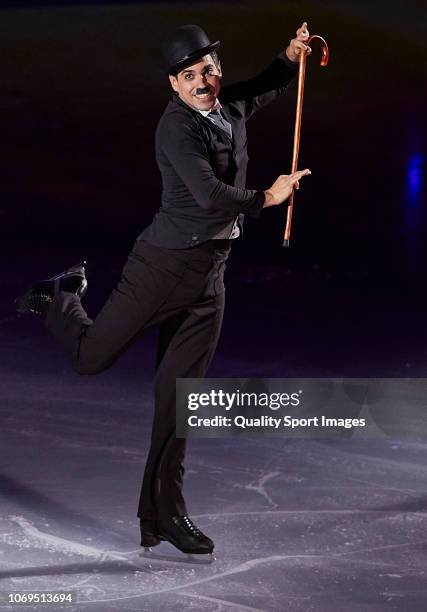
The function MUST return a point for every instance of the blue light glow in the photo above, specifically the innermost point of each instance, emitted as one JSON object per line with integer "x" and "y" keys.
{"x": 414, "y": 177}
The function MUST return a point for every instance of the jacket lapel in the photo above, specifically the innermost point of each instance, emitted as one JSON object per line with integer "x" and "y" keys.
{"x": 215, "y": 128}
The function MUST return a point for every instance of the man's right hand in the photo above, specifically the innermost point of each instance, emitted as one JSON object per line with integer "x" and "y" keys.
{"x": 282, "y": 188}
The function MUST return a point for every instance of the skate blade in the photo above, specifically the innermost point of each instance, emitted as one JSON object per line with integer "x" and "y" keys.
{"x": 177, "y": 557}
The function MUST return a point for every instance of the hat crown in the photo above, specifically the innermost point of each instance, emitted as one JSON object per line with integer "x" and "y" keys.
{"x": 186, "y": 43}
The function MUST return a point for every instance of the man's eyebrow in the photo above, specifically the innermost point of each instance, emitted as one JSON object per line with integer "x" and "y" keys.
{"x": 205, "y": 68}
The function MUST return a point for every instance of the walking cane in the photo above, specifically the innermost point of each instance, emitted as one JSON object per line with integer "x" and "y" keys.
{"x": 301, "y": 78}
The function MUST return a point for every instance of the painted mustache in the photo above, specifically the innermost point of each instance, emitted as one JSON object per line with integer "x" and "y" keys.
{"x": 202, "y": 91}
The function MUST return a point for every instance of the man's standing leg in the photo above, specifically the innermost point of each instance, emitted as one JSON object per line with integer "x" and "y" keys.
{"x": 187, "y": 345}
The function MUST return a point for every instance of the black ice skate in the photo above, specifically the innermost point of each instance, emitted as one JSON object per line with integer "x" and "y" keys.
{"x": 180, "y": 531}
{"x": 38, "y": 296}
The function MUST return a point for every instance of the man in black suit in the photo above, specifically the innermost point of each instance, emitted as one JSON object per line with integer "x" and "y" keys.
{"x": 174, "y": 276}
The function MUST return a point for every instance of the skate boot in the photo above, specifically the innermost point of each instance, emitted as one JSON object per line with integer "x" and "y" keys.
{"x": 180, "y": 531}
{"x": 40, "y": 294}
{"x": 149, "y": 535}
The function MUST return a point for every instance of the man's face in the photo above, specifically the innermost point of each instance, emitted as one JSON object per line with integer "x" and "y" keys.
{"x": 199, "y": 84}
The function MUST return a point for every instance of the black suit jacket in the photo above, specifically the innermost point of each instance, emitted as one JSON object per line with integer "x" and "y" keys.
{"x": 203, "y": 169}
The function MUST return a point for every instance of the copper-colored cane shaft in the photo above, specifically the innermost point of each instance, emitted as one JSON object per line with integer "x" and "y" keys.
{"x": 297, "y": 131}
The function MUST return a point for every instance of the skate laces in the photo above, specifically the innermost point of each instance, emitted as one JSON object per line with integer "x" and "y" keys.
{"x": 191, "y": 527}
{"x": 37, "y": 301}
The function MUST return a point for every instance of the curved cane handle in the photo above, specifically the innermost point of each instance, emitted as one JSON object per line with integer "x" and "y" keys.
{"x": 325, "y": 49}
{"x": 301, "y": 78}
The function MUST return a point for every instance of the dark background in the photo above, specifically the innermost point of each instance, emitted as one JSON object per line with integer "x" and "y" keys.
{"x": 81, "y": 91}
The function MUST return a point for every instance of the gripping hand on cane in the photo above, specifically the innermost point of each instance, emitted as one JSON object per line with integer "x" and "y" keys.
{"x": 298, "y": 44}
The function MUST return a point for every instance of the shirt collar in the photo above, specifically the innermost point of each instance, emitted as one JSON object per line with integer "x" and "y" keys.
{"x": 216, "y": 106}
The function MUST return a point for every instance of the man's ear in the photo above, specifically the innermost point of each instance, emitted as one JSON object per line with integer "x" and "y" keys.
{"x": 174, "y": 82}
{"x": 219, "y": 69}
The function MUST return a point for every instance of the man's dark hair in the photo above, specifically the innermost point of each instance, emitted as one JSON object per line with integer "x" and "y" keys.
{"x": 214, "y": 55}
{"x": 215, "y": 58}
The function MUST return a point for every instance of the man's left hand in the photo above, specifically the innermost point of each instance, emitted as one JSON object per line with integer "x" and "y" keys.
{"x": 294, "y": 49}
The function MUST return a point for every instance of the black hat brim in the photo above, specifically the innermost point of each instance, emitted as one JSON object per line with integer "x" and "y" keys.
{"x": 190, "y": 59}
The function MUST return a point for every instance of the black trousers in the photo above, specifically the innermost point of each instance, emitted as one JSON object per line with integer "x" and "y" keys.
{"x": 181, "y": 291}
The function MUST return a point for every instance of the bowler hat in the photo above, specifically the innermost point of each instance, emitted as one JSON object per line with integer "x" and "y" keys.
{"x": 184, "y": 46}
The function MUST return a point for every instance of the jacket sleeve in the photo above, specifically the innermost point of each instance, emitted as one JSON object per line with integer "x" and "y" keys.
{"x": 187, "y": 153}
{"x": 263, "y": 88}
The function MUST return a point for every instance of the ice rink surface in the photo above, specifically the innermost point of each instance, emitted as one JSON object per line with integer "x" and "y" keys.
{"x": 304, "y": 525}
